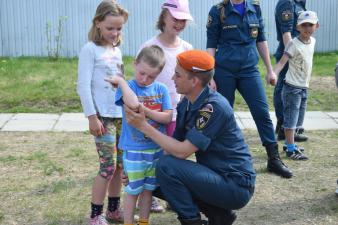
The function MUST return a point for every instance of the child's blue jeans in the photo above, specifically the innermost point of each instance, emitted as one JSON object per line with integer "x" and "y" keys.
{"x": 294, "y": 106}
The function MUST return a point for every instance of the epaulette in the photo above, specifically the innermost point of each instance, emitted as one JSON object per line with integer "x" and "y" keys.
{"x": 256, "y": 2}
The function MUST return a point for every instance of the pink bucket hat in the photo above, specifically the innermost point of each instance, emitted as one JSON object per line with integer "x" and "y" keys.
{"x": 179, "y": 9}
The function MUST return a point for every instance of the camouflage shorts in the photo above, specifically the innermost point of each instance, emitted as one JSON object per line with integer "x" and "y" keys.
{"x": 106, "y": 146}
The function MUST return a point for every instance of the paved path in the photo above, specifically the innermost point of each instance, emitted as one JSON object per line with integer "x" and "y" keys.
{"x": 315, "y": 120}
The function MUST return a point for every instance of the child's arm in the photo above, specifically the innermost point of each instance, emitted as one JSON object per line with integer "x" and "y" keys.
{"x": 164, "y": 117}
{"x": 128, "y": 96}
{"x": 281, "y": 63}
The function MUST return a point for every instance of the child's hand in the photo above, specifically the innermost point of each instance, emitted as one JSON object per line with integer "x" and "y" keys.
{"x": 114, "y": 80}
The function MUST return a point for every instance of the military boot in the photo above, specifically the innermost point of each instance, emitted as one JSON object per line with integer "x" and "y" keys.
{"x": 196, "y": 221}
{"x": 275, "y": 164}
{"x": 216, "y": 215}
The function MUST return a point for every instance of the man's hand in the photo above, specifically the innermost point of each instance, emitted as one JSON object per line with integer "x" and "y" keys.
{"x": 271, "y": 78}
{"x": 135, "y": 118}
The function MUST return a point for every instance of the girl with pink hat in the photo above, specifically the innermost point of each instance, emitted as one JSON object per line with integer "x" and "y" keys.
{"x": 171, "y": 22}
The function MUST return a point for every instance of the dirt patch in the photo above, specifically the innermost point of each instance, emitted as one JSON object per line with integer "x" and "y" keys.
{"x": 323, "y": 83}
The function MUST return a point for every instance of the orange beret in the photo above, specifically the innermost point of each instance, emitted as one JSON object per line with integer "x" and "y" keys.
{"x": 196, "y": 61}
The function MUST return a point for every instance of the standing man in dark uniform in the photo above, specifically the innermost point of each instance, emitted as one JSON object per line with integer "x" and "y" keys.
{"x": 235, "y": 36}
{"x": 222, "y": 178}
{"x": 286, "y": 15}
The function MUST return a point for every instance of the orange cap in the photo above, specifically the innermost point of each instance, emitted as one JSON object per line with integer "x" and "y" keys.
{"x": 196, "y": 61}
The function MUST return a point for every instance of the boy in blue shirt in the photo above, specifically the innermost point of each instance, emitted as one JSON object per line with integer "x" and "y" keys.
{"x": 140, "y": 153}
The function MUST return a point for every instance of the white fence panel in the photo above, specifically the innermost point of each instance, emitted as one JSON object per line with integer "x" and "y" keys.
{"x": 23, "y": 24}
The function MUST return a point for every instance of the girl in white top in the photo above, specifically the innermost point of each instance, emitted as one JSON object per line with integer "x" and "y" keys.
{"x": 99, "y": 58}
{"x": 172, "y": 21}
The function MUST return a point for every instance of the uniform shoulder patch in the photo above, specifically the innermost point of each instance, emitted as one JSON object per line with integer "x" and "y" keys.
{"x": 256, "y": 2}
{"x": 286, "y": 15}
{"x": 204, "y": 116}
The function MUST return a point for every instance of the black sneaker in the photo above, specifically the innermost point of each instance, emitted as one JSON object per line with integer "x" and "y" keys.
{"x": 300, "y": 136}
{"x": 296, "y": 155}
{"x": 302, "y": 149}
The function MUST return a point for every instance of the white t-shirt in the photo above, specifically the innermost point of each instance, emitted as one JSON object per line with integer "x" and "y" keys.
{"x": 300, "y": 62}
{"x": 95, "y": 93}
{"x": 169, "y": 69}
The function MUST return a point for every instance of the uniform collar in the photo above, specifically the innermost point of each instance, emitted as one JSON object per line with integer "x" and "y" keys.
{"x": 248, "y": 7}
{"x": 199, "y": 100}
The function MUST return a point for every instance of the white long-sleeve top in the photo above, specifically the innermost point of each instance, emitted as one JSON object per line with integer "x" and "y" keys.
{"x": 97, "y": 95}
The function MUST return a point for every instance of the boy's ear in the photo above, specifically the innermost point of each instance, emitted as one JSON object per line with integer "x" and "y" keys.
{"x": 317, "y": 26}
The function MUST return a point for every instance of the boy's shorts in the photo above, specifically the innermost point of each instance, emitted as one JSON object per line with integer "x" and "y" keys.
{"x": 106, "y": 146}
{"x": 140, "y": 165}
{"x": 294, "y": 106}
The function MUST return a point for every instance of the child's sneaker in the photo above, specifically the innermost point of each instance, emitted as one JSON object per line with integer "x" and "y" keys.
{"x": 337, "y": 189}
{"x": 296, "y": 155}
{"x": 114, "y": 216}
{"x": 155, "y": 206}
{"x": 98, "y": 220}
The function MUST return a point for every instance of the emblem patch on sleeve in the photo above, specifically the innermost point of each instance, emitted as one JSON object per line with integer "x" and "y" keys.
{"x": 204, "y": 116}
{"x": 254, "y": 32}
{"x": 286, "y": 15}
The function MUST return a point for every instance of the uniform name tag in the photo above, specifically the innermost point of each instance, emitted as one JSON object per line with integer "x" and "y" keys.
{"x": 229, "y": 26}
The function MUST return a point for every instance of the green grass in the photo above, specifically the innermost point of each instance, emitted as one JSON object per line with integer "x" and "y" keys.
{"x": 32, "y": 196}
{"x": 39, "y": 85}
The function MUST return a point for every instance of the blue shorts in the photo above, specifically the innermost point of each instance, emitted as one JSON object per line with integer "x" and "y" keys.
{"x": 294, "y": 106}
{"x": 140, "y": 165}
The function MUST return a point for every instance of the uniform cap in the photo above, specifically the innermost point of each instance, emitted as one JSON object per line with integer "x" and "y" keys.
{"x": 196, "y": 61}
{"x": 307, "y": 17}
{"x": 179, "y": 9}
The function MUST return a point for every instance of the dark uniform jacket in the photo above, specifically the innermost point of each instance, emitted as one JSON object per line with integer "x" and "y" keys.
{"x": 210, "y": 125}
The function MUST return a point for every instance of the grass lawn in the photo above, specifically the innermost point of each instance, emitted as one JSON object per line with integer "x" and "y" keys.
{"x": 39, "y": 85}
{"x": 46, "y": 178}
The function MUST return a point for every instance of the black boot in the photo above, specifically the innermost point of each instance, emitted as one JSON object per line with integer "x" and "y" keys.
{"x": 281, "y": 134}
{"x": 275, "y": 164}
{"x": 216, "y": 215}
{"x": 196, "y": 221}
{"x": 278, "y": 126}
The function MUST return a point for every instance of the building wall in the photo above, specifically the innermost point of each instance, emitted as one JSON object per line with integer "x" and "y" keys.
{"x": 23, "y": 24}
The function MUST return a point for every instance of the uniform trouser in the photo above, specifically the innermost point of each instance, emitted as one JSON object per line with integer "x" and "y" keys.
{"x": 184, "y": 182}
{"x": 250, "y": 86}
{"x": 277, "y": 94}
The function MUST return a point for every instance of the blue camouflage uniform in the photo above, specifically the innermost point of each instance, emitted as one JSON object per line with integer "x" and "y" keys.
{"x": 235, "y": 37}
{"x": 286, "y": 15}
{"x": 223, "y": 175}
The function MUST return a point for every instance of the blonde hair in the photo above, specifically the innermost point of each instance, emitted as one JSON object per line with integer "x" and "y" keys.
{"x": 105, "y": 8}
{"x": 153, "y": 56}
